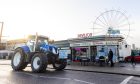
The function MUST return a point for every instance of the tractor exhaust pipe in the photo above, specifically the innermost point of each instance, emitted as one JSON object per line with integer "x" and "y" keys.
{"x": 36, "y": 41}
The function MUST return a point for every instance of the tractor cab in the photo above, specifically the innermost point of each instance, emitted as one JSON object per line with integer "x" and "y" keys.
{"x": 36, "y": 43}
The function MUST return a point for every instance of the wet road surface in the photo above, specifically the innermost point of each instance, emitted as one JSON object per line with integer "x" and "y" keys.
{"x": 8, "y": 76}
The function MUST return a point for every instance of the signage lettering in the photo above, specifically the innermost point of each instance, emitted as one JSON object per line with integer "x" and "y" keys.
{"x": 84, "y": 35}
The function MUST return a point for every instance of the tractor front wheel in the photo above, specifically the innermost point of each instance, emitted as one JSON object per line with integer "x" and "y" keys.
{"x": 18, "y": 60}
{"x": 39, "y": 63}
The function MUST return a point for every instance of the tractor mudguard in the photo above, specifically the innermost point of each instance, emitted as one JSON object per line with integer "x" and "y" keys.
{"x": 25, "y": 49}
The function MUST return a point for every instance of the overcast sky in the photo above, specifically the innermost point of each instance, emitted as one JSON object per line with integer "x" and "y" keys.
{"x": 63, "y": 19}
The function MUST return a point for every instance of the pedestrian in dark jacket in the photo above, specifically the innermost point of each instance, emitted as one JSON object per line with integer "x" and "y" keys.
{"x": 110, "y": 58}
{"x": 133, "y": 58}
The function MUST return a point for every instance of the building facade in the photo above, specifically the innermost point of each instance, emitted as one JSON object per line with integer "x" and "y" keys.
{"x": 94, "y": 47}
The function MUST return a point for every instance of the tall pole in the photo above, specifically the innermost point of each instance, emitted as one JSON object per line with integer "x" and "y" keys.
{"x": 1, "y": 31}
{"x": 93, "y": 29}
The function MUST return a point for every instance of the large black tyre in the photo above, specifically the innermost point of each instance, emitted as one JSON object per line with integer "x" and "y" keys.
{"x": 39, "y": 63}
{"x": 18, "y": 60}
{"x": 60, "y": 64}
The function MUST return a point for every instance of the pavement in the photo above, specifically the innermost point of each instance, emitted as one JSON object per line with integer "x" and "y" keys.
{"x": 5, "y": 62}
{"x": 119, "y": 68}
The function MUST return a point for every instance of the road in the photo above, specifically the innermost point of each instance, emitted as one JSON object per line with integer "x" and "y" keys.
{"x": 8, "y": 76}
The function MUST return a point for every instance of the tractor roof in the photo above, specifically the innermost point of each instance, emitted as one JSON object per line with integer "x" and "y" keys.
{"x": 39, "y": 36}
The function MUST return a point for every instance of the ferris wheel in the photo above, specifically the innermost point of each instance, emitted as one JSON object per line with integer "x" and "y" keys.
{"x": 112, "y": 22}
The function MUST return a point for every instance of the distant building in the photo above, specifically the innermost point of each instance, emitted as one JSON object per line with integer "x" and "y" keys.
{"x": 12, "y": 43}
{"x": 3, "y": 44}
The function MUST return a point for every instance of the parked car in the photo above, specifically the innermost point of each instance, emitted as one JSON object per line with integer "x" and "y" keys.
{"x": 128, "y": 58}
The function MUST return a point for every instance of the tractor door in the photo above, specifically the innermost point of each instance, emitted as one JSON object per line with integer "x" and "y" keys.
{"x": 31, "y": 45}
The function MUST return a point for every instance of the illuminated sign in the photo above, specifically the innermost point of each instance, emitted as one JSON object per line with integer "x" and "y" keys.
{"x": 84, "y": 35}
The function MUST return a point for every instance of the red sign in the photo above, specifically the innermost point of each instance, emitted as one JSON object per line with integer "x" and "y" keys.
{"x": 84, "y": 35}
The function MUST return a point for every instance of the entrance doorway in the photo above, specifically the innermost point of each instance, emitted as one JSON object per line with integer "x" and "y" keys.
{"x": 93, "y": 53}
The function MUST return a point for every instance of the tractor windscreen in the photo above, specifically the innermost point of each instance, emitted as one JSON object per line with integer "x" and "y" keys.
{"x": 40, "y": 39}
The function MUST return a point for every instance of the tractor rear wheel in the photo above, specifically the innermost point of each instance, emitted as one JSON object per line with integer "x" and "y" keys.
{"x": 60, "y": 64}
{"x": 18, "y": 60}
{"x": 39, "y": 63}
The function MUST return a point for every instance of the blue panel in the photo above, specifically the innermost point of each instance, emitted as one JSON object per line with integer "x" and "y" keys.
{"x": 26, "y": 49}
{"x": 63, "y": 54}
{"x": 46, "y": 48}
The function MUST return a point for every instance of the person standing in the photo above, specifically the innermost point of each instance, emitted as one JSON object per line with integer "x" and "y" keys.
{"x": 133, "y": 58}
{"x": 110, "y": 58}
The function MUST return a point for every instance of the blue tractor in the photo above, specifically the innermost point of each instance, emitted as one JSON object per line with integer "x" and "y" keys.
{"x": 39, "y": 53}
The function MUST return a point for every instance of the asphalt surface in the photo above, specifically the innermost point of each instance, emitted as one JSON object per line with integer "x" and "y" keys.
{"x": 8, "y": 76}
{"x": 119, "y": 68}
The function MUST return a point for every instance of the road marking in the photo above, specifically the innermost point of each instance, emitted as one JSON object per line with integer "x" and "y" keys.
{"x": 56, "y": 78}
{"x": 60, "y": 78}
{"x": 126, "y": 80}
{"x": 28, "y": 74}
{"x": 68, "y": 79}
{"x": 53, "y": 77}
{"x": 83, "y": 81}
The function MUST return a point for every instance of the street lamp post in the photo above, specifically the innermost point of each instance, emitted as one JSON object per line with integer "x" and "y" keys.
{"x": 1, "y": 31}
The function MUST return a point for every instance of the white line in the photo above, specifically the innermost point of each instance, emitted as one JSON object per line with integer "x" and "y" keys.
{"x": 126, "y": 80}
{"x": 60, "y": 78}
{"x": 56, "y": 78}
{"x": 83, "y": 81}
{"x": 30, "y": 74}
{"x": 68, "y": 79}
